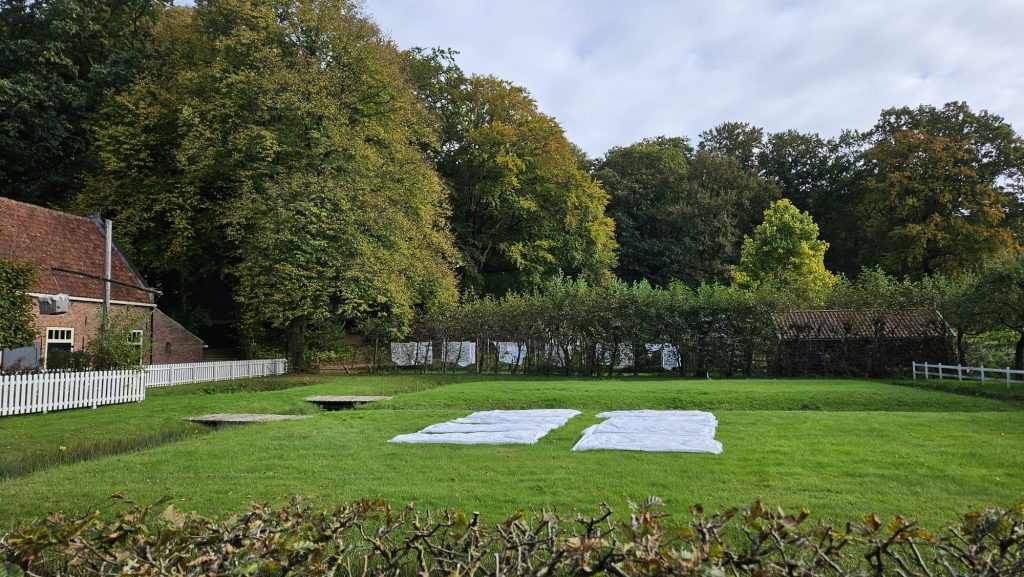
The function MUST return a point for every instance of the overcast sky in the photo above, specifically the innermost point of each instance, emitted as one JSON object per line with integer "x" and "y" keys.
{"x": 613, "y": 72}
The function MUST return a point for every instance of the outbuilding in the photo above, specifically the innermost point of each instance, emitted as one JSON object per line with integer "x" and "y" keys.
{"x": 861, "y": 342}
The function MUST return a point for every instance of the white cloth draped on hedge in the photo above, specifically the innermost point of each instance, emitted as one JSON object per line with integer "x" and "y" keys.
{"x": 412, "y": 354}
{"x": 462, "y": 353}
{"x": 511, "y": 352}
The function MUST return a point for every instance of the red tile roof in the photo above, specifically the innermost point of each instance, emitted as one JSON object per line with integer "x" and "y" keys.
{"x": 861, "y": 323}
{"x": 46, "y": 238}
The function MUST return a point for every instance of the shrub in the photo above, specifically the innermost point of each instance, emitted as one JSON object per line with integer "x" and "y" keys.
{"x": 112, "y": 346}
{"x": 17, "y": 329}
{"x": 371, "y": 538}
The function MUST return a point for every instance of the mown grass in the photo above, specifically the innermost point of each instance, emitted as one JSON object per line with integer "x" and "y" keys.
{"x": 866, "y": 447}
{"x": 29, "y": 443}
{"x": 991, "y": 389}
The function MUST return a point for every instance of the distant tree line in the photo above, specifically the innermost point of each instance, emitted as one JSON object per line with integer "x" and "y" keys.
{"x": 282, "y": 166}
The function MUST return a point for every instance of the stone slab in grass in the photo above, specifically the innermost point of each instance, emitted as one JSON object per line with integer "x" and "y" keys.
{"x": 336, "y": 402}
{"x": 242, "y": 418}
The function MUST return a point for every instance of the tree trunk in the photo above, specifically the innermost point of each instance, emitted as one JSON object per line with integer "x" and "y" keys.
{"x": 297, "y": 344}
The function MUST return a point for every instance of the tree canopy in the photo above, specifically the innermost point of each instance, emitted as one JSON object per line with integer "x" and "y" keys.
{"x": 522, "y": 208}
{"x": 58, "y": 59}
{"x": 276, "y": 147}
{"x": 785, "y": 252}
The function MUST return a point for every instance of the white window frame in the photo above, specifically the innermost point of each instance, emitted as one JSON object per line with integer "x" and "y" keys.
{"x": 136, "y": 338}
{"x": 70, "y": 340}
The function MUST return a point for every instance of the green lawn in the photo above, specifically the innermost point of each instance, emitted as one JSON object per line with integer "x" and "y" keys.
{"x": 841, "y": 448}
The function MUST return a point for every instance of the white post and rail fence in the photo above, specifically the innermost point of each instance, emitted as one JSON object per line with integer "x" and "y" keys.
{"x": 59, "y": 390}
{"x": 962, "y": 373}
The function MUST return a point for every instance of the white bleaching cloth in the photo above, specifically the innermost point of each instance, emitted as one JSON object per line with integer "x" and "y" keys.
{"x": 669, "y": 354}
{"x": 649, "y": 443}
{"x": 493, "y": 428}
{"x": 411, "y": 354}
{"x": 656, "y": 431}
{"x": 623, "y": 360}
{"x": 462, "y": 353}
{"x": 669, "y": 357}
{"x": 510, "y": 352}
{"x": 555, "y": 355}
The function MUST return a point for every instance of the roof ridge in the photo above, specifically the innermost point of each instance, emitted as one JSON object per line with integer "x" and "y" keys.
{"x": 46, "y": 208}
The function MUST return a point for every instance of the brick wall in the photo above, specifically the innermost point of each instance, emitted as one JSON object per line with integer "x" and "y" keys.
{"x": 84, "y": 318}
{"x": 173, "y": 343}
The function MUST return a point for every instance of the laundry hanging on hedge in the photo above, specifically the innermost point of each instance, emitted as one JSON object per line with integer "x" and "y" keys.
{"x": 654, "y": 431}
{"x": 669, "y": 354}
{"x": 412, "y": 354}
{"x": 524, "y": 427}
{"x": 510, "y": 352}
{"x": 623, "y": 358}
{"x": 462, "y": 353}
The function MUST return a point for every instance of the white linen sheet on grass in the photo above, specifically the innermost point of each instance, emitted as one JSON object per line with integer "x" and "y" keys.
{"x": 524, "y": 427}
{"x": 656, "y": 431}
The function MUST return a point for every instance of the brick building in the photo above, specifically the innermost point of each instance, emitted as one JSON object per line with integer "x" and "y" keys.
{"x": 54, "y": 243}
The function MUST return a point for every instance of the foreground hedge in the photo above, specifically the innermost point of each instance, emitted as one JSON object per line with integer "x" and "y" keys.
{"x": 370, "y": 538}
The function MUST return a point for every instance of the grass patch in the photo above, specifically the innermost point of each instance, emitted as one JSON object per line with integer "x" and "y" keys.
{"x": 991, "y": 389}
{"x": 866, "y": 447}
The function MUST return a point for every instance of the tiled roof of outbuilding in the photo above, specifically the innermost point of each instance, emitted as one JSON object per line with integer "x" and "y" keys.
{"x": 861, "y": 323}
{"x": 46, "y": 238}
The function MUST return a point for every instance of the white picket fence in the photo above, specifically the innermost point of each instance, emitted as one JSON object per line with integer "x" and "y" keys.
{"x": 57, "y": 390}
{"x": 188, "y": 373}
{"x": 962, "y": 373}
{"x": 54, "y": 391}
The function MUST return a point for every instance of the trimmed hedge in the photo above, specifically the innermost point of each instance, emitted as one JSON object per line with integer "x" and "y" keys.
{"x": 371, "y": 538}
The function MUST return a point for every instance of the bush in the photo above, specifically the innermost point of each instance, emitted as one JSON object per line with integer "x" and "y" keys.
{"x": 112, "y": 347}
{"x": 17, "y": 329}
{"x": 369, "y": 537}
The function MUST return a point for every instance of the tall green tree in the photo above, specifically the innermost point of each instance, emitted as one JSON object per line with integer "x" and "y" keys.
{"x": 57, "y": 60}
{"x": 722, "y": 203}
{"x": 274, "y": 149}
{"x": 785, "y": 252}
{"x": 823, "y": 177}
{"x": 522, "y": 207}
{"x": 999, "y": 297}
{"x": 647, "y": 183}
{"x": 680, "y": 215}
{"x": 741, "y": 141}
{"x": 942, "y": 189}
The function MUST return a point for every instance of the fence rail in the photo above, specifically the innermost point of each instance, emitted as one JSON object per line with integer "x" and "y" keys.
{"x": 188, "y": 373}
{"x": 44, "y": 392}
{"x": 962, "y": 373}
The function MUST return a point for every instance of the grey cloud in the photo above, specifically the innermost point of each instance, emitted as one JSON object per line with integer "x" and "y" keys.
{"x": 613, "y": 72}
